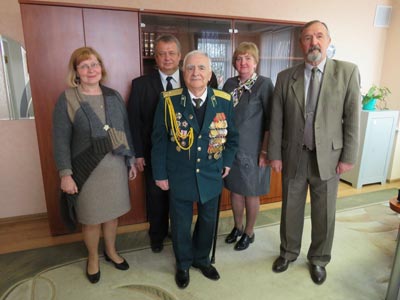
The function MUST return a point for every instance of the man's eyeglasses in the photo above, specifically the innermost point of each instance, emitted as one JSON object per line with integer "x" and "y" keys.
{"x": 86, "y": 67}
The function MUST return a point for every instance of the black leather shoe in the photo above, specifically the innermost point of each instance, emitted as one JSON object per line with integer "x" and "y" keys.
{"x": 281, "y": 264}
{"x": 120, "y": 266}
{"x": 244, "y": 242}
{"x": 93, "y": 278}
{"x": 157, "y": 248}
{"x": 208, "y": 271}
{"x": 182, "y": 278}
{"x": 232, "y": 237}
{"x": 318, "y": 274}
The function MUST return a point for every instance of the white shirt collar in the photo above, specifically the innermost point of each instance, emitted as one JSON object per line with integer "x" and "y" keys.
{"x": 175, "y": 76}
{"x": 203, "y": 97}
{"x": 321, "y": 66}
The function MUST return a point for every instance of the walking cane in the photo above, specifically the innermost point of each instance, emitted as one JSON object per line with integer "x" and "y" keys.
{"x": 216, "y": 231}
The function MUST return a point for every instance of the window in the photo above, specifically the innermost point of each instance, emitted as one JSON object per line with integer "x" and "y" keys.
{"x": 219, "y": 50}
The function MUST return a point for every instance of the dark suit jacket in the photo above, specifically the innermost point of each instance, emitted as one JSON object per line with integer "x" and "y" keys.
{"x": 337, "y": 118}
{"x": 194, "y": 174}
{"x": 145, "y": 94}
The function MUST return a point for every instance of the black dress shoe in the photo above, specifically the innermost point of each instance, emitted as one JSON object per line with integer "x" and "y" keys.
{"x": 93, "y": 278}
{"x": 208, "y": 271}
{"x": 232, "y": 237}
{"x": 157, "y": 248}
{"x": 182, "y": 278}
{"x": 120, "y": 266}
{"x": 281, "y": 264}
{"x": 244, "y": 242}
{"x": 318, "y": 274}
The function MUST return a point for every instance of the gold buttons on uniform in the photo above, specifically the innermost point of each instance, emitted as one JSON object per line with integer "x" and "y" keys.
{"x": 199, "y": 136}
{"x": 198, "y": 148}
{"x": 197, "y": 170}
{"x": 198, "y": 160}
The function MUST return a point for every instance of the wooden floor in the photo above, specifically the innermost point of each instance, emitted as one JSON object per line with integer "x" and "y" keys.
{"x": 29, "y": 233}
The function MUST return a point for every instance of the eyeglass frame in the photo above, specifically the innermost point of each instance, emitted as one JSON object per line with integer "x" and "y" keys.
{"x": 86, "y": 67}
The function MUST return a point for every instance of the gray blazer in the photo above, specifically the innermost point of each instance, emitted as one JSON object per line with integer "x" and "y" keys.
{"x": 336, "y": 121}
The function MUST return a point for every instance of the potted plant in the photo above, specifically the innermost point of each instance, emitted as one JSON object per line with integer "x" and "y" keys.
{"x": 374, "y": 94}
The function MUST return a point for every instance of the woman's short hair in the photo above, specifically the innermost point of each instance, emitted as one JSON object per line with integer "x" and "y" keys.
{"x": 78, "y": 56}
{"x": 243, "y": 48}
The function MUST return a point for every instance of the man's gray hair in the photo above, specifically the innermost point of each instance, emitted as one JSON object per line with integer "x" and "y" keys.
{"x": 308, "y": 24}
{"x": 197, "y": 52}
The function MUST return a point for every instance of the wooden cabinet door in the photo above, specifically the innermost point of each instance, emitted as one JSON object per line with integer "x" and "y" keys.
{"x": 115, "y": 35}
{"x": 51, "y": 34}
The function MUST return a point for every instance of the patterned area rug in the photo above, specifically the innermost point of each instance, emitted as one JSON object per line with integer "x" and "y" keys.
{"x": 365, "y": 241}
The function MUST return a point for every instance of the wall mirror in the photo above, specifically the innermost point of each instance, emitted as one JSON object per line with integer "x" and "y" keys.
{"x": 15, "y": 92}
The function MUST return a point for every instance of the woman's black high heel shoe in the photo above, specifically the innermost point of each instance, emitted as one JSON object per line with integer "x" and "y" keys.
{"x": 232, "y": 237}
{"x": 120, "y": 266}
{"x": 93, "y": 278}
{"x": 244, "y": 242}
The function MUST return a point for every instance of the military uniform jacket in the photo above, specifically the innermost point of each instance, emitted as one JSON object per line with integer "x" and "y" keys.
{"x": 142, "y": 104}
{"x": 194, "y": 174}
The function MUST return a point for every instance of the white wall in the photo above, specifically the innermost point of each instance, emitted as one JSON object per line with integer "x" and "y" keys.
{"x": 352, "y": 31}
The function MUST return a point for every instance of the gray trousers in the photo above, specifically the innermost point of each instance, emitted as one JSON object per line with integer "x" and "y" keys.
{"x": 323, "y": 208}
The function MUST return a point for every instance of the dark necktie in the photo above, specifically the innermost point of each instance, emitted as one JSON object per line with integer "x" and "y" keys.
{"x": 312, "y": 98}
{"x": 169, "y": 84}
{"x": 197, "y": 101}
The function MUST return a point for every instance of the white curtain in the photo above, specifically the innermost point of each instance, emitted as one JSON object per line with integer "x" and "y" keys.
{"x": 275, "y": 50}
{"x": 218, "y": 47}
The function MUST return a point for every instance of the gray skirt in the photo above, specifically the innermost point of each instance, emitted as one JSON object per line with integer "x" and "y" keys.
{"x": 105, "y": 194}
{"x": 246, "y": 178}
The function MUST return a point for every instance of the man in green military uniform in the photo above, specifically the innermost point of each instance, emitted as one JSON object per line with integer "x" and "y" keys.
{"x": 194, "y": 144}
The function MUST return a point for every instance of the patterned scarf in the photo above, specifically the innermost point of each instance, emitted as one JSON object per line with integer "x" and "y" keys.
{"x": 247, "y": 85}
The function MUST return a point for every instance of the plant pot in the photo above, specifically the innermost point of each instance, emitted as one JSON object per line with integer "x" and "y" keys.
{"x": 370, "y": 105}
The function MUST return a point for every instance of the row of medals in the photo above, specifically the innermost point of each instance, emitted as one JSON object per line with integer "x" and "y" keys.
{"x": 218, "y": 133}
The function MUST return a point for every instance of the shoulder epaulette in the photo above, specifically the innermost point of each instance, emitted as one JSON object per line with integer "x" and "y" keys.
{"x": 222, "y": 94}
{"x": 172, "y": 93}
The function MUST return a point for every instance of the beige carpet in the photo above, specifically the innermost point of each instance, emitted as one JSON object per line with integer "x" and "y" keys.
{"x": 364, "y": 245}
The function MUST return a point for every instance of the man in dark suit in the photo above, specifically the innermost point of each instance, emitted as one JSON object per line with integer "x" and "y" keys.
{"x": 314, "y": 137}
{"x": 142, "y": 104}
{"x": 194, "y": 143}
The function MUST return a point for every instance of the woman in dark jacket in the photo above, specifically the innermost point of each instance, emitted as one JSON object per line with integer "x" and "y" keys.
{"x": 250, "y": 176}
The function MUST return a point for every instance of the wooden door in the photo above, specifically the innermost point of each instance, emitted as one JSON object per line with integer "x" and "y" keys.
{"x": 115, "y": 35}
{"x": 51, "y": 34}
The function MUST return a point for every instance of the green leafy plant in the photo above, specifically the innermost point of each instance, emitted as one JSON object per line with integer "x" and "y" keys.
{"x": 376, "y": 92}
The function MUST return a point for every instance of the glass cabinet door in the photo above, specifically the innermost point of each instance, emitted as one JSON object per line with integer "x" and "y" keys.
{"x": 277, "y": 44}
{"x": 206, "y": 34}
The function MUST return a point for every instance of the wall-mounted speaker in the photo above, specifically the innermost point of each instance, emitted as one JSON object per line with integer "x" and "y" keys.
{"x": 382, "y": 16}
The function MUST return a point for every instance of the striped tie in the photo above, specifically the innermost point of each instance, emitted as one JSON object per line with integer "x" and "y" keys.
{"x": 169, "y": 84}
{"x": 312, "y": 98}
